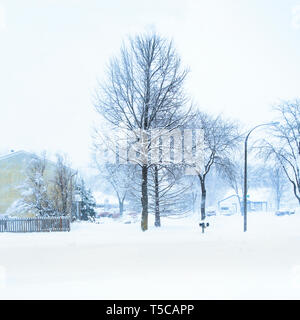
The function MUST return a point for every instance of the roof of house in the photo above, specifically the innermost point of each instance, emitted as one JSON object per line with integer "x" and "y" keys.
{"x": 26, "y": 153}
{"x": 254, "y": 195}
{"x": 15, "y": 153}
{"x": 231, "y": 196}
{"x": 260, "y": 194}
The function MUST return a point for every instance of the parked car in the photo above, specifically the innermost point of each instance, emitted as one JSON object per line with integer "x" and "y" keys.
{"x": 284, "y": 212}
{"x": 211, "y": 211}
{"x": 225, "y": 211}
{"x": 103, "y": 215}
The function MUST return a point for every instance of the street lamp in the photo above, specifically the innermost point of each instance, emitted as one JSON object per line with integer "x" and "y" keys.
{"x": 245, "y": 170}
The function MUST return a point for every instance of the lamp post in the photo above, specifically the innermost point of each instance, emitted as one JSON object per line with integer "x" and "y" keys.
{"x": 245, "y": 171}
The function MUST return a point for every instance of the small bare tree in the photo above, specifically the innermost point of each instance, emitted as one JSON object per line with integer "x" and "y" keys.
{"x": 35, "y": 192}
{"x": 221, "y": 138}
{"x": 63, "y": 187}
{"x": 118, "y": 175}
{"x": 283, "y": 147}
{"x": 278, "y": 183}
{"x": 233, "y": 174}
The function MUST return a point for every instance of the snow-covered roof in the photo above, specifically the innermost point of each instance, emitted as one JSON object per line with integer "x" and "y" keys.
{"x": 259, "y": 194}
{"x": 255, "y": 195}
{"x": 228, "y": 197}
{"x": 15, "y": 153}
{"x": 26, "y": 153}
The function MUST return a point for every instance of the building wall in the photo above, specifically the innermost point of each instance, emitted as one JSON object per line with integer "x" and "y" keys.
{"x": 232, "y": 203}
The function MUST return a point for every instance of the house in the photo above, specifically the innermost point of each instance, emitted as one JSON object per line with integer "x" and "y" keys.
{"x": 13, "y": 168}
{"x": 259, "y": 199}
{"x": 229, "y": 205}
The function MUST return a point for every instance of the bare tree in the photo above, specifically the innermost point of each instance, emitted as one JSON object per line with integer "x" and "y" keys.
{"x": 194, "y": 196}
{"x": 35, "y": 192}
{"x": 144, "y": 86}
{"x": 63, "y": 186}
{"x": 233, "y": 174}
{"x": 221, "y": 138}
{"x": 170, "y": 192}
{"x": 284, "y": 146}
{"x": 278, "y": 183}
{"x": 120, "y": 177}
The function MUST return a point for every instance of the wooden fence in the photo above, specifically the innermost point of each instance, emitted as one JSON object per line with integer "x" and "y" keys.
{"x": 39, "y": 224}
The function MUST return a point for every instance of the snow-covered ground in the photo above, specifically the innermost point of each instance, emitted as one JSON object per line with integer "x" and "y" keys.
{"x": 118, "y": 261}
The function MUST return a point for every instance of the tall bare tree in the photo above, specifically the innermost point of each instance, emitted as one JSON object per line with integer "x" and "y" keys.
{"x": 143, "y": 87}
{"x": 233, "y": 174}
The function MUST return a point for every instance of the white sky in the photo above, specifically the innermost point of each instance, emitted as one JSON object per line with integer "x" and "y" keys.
{"x": 243, "y": 56}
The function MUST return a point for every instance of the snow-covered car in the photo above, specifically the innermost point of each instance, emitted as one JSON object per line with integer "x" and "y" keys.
{"x": 284, "y": 212}
{"x": 225, "y": 211}
{"x": 108, "y": 215}
{"x": 103, "y": 215}
{"x": 211, "y": 211}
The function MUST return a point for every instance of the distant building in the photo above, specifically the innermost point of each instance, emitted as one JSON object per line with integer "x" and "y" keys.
{"x": 259, "y": 199}
{"x": 229, "y": 205}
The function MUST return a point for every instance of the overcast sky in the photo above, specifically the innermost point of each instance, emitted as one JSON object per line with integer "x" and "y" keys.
{"x": 243, "y": 55}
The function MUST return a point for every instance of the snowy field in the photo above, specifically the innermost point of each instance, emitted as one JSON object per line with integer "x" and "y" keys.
{"x": 118, "y": 261}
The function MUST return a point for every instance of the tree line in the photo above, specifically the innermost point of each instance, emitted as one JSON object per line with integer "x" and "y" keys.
{"x": 144, "y": 90}
{"x": 50, "y": 189}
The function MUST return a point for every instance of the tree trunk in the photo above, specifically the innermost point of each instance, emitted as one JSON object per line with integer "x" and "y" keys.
{"x": 295, "y": 188}
{"x": 157, "y": 213}
{"x": 203, "y": 200}
{"x": 121, "y": 207}
{"x": 277, "y": 203}
{"x": 144, "y": 199}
